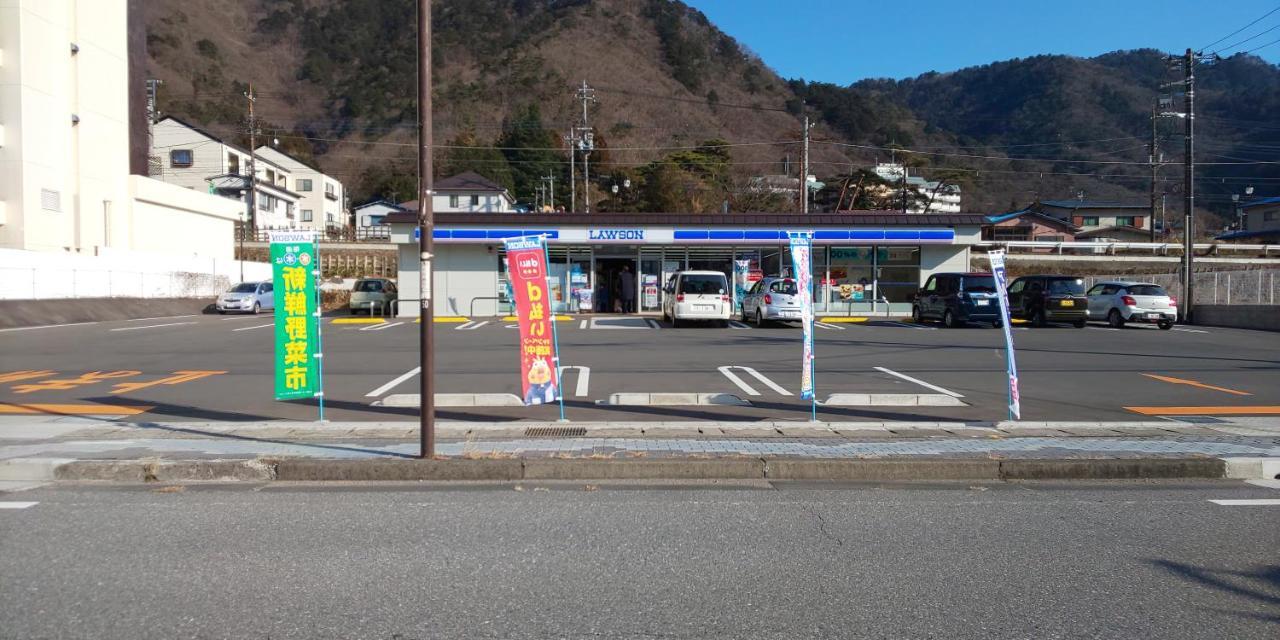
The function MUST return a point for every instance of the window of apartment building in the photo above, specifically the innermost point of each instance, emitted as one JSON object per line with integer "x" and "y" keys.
{"x": 1124, "y": 221}
{"x": 303, "y": 185}
{"x": 1089, "y": 221}
{"x": 329, "y": 189}
{"x": 180, "y": 158}
{"x": 271, "y": 176}
{"x": 453, "y": 201}
{"x": 307, "y": 216}
{"x": 233, "y": 163}
{"x": 475, "y": 200}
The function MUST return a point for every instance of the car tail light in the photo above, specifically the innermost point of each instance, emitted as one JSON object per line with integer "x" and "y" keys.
{"x": 679, "y": 297}
{"x": 1173, "y": 302}
{"x": 724, "y": 298}
{"x": 768, "y": 299}
{"x": 1128, "y": 300}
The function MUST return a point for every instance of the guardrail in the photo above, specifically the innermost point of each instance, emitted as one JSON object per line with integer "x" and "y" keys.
{"x": 1156, "y": 248}
{"x": 360, "y": 234}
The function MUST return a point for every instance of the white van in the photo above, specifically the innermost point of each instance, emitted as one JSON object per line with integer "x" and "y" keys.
{"x": 697, "y": 295}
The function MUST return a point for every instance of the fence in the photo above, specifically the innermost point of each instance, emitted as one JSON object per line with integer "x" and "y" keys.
{"x": 1106, "y": 247}
{"x": 358, "y": 265}
{"x": 1253, "y": 286}
{"x": 345, "y": 234}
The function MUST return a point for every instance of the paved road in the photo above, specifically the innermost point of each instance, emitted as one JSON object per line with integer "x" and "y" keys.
{"x": 1141, "y": 560}
{"x": 1067, "y": 374}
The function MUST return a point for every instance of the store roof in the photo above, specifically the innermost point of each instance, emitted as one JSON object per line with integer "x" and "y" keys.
{"x": 845, "y": 219}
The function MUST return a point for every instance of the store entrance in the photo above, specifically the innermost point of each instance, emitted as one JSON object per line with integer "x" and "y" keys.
{"x": 617, "y": 285}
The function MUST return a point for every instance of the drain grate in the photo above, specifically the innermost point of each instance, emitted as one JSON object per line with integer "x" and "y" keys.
{"x": 555, "y": 432}
{"x": 1196, "y": 419}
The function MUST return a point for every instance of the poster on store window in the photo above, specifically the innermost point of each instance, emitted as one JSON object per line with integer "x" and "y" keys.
{"x": 997, "y": 268}
{"x": 650, "y": 291}
{"x": 801, "y": 250}
{"x": 741, "y": 281}
{"x": 527, "y": 262}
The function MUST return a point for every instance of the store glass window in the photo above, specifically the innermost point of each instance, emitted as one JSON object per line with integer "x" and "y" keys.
{"x": 898, "y": 276}
{"x": 850, "y": 281}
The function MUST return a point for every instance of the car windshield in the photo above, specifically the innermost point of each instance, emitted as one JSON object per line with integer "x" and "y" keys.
{"x": 1067, "y": 287}
{"x": 1147, "y": 290}
{"x": 244, "y": 287}
{"x": 369, "y": 286}
{"x": 980, "y": 284}
{"x": 712, "y": 285}
{"x": 787, "y": 287}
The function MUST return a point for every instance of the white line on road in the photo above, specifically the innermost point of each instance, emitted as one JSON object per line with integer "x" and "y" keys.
{"x": 17, "y": 505}
{"x": 1092, "y": 328}
{"x": 582, "y": 325}
{"x": 381, "y": 326}
{"x": 256, "y": 326}
{"x": 910, "y": 326}
{"x": 153, "y": 326}
{"x": 246, "y": 316}
{"x": 918, "y": 381}
{"x": 584, "y": 379}
{"x": 1270, "y": 484}
{"x": 748, "y": 389}
{"x": 161, "y": 318}
{"x": 734, "y": 324}
{"x": 391, "y": 385}
{"x": 1257, "y": 502}
{"x": 47, "y": 326}
{"x": 825, "y": 325}
{"x": 1186, "y": 330}
{"x": 472, "y": 326}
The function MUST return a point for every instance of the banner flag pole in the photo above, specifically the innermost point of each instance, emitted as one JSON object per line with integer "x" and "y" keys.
{"x": 555, "y": 333}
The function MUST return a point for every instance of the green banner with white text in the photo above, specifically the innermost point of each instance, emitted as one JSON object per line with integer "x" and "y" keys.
{"x": 294, "y": 269}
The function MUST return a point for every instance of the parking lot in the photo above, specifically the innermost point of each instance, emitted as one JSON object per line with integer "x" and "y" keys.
{"x": 209, "y": 367}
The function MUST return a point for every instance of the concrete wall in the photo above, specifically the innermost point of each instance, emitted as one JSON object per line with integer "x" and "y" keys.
{"x": 1241, "y": 316}
{"x": 42, "y": 275}
{"x": 941, "y": 259}
{"x": 173, "y": 220}
{"x": 462, "y": 273}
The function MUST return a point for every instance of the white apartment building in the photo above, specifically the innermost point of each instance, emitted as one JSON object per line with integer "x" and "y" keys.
{"x": 191, "y": 157}
{"x": 65, "y": 184}
{"x": 928, "y": 194}
{"x": 322, "y": 203}
{"x": 467, "y": 192}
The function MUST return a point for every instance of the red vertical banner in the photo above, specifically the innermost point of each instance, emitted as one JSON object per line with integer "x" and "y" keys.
{"x": 527, "y": 270}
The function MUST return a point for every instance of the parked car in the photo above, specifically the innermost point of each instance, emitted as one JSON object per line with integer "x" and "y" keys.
{"x": 1045, "y": 299}
{"x": 772, "y": 299}
{"x": 697, "y": 295}
{"x": 957, "y": 298}
{"x": 1121, "y": 302}
{"x": 247, "y": 297}
{"x": 373, "y": 295}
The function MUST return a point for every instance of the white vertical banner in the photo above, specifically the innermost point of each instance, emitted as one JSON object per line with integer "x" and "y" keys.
{"x": 801, "y": 259}
{"x": 997, "y": 268}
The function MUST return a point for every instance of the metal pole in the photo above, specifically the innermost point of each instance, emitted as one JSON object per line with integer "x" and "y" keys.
{"x": 804, "y": 170}
{"x": 573, "y": 186}
{"x": 317, "y": 274}
{"x": 1155, "y": 171}
{"x": 1188, "y": 178}
{"x": 426, "y": 224}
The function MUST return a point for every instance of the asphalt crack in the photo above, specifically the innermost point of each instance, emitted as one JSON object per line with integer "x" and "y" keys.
{"x": 822, "y": 525}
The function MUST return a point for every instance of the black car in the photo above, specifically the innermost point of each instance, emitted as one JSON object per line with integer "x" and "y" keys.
{"x": 1045, "y": 299}
{"x": 957, "y": 298}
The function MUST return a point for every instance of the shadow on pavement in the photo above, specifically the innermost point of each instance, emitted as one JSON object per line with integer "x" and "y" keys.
{"x": 1261, "y": 585}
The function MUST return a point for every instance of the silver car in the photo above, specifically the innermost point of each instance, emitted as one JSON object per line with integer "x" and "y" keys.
{"x": 1122, "y": 302}
{"x": 249, "y": 297}
{"x": 772, "y": 299}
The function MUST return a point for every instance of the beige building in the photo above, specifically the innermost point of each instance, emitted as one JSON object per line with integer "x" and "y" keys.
{"x": 65, "y": 184}
{"x": 321, "y": 198}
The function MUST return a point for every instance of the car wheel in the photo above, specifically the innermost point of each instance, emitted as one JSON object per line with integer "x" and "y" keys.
{"x": 949, "y": 320}
{"x": 675, "y": 322}
{"x": 997, "y": 324}
{"x": 916, "y": 317}
{"x": 257, "y": 308}
{"x": 759, "y": 318}
{"x": 222, "y": 312}
{"x": 1165, "y": 324}
{"x": 1115, "y": 319}
{"x": 1038, "y": 318}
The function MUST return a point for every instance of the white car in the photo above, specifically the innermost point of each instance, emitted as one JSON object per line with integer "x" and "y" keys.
{"x": 697, "y": 295}
{"x": 1122, "y": 302}
{"x": 250, "y": 297}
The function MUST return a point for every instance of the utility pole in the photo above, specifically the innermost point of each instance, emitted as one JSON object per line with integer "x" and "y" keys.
{"x": 1189, "y": 60}
{"x": 573, "y": 186}
{"x": 804, "y": 169}
{"x": 551, "y": 180}
{"x": 153, "y": 87}
{"x": 426, "y": 226}
{"x": 587, "y": 142}
{"x": 1154, "y": 160}
{"x": 904, "y": 185}
{"x": 251, "y": 219}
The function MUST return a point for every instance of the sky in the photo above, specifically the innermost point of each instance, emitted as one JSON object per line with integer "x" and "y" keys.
{"x": 843, "y": 41}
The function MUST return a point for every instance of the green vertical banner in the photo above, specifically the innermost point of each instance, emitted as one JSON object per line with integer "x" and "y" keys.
{"x": 293, "y": 271}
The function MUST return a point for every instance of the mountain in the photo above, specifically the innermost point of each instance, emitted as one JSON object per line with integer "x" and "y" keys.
{"x": 682, "y": 110}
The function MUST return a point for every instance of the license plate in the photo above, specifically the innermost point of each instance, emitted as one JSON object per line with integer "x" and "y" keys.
{"x": 704, "y": 307}
{"x": 1153, "y": 316}
{"x": 1068, "y": 303}
{"x": 984, "y": 303}
{"x": 790, "y": 314}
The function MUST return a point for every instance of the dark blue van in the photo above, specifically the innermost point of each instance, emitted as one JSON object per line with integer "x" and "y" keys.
{"x": 957, "y": 298}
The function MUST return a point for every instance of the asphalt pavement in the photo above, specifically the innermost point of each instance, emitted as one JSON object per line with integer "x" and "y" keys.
{"x": 220, "y": 368}
{"x": 574, "y": 560}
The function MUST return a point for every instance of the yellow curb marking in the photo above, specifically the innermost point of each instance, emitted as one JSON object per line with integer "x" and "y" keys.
{"x": 358, "y": 320}
{"x": 73, "y": 409}
{"x": 842, "y": 320}
{"x": 1193, "y": 383}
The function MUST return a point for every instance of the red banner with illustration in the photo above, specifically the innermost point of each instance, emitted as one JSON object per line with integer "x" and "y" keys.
{"x": 527, "y": 270}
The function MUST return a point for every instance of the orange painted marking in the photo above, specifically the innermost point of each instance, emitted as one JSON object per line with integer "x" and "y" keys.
{"x": 1207, "y": 411}
{"x": 15, "y": 376}
{"x": 178, "y": 377}
{"x": 1199, "y": 385}
{"x": 73, "y": 409}
{"x": 62, "y": 384}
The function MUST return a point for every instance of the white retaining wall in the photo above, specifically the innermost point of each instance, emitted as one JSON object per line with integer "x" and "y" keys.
{"x": 40, "y": 275}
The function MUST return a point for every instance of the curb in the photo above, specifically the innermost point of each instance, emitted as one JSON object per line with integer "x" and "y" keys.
{"x": 516, "y": 469}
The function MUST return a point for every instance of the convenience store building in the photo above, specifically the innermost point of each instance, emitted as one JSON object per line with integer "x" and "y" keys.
{"x": 863, "y": 263}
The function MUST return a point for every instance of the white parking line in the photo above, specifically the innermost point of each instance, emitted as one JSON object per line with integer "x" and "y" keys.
{"x": 909, "y": 326}
{"x": 734, "y": 324}
{"x": 1186, "y": 330}
{"x": 918, "y": 381}
{"x": 246, "y": 316}
{"x": 161, "y": 318}
{"x": 256, "y": 326}
{"x": 825, "y": 325}
{"x": 1093, "y": 328}
{"x": 17, "y": 505}
{"x": 582, "y": 325}
{"x": 584, "y": 379}
{"x": 748, "y": 389}
{"x": 47, "y": 326}
{"x": 471, "y": 326}
{"x": 381, "y": 326}
{"x": 1257, "y": 502}
{"x": 391, "y": 385}
{"x": 153, "y": 326}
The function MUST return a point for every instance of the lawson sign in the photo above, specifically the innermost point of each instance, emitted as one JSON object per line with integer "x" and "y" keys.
{"x": 696, "y": 236}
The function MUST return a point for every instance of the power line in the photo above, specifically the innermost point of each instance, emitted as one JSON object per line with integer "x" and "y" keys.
{"x": 1263, "y": 46}
{"x": 1250, "y": 38}
{"x": 1264, "y": 16}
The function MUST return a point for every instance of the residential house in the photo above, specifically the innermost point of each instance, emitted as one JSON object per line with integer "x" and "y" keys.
{"x": 927, "y": 196}
{"x": 1028, "y": 225}
{"x": 467, "y": 192}
{"x": 370, "y": 217}
{"x": 1102, "y": 219}
{"x": 1260, "y": 221}
{"x": 322, "y": 198}
{"x": 65, "y": 141}
{"x": 191, "y": 157}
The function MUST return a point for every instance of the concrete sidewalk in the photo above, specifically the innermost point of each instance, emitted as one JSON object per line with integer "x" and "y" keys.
{"x": 54, "y": 448}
